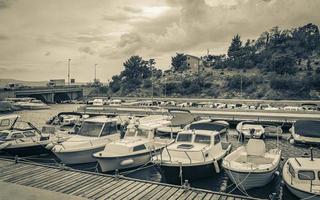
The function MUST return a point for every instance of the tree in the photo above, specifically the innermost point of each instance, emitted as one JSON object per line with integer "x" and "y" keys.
{"x": 234, "y": 50}
{"x": 179, "y": 62}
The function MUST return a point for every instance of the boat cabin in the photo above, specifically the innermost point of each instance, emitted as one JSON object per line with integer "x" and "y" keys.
{"x": 304, "y": 171}
{"x": 7, "y": 121}
{"x": 98, "y": 127}
{"x": 190, "y": 138}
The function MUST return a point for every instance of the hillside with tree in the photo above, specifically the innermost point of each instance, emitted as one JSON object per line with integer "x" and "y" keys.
{"x": 280, "y": 64}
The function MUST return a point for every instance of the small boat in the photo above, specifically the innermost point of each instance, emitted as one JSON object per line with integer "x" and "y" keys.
{"x": 25, "y": 139}
{"x": 250, "y": 129}
{"x": 92, "y": 137}
{"x": 7, "y": 121}
{"x": 210, "y": 125}
{"x": 252, "y": 165}
{"x": 306, "y": 132}
{"x": 137, "y": 147}
{"x": 195, "y": 154}
{"x": 301, "y": 177}
{"x": 28, "y": 103}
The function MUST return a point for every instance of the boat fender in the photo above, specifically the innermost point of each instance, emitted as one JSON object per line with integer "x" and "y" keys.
{"x": 126, "y": 162}
{"x": 216, "y": 166}
{"x": 276, "y": 173}
{"x": 49, "y": 146}
{"x": 291, "y": 141}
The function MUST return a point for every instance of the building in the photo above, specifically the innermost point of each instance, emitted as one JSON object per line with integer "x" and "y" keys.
{"x": 194, "y": 64}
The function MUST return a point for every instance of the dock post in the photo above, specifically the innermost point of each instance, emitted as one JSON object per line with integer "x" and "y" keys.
{"x": 16, "y": 159}
{"x": 116, "y": 175}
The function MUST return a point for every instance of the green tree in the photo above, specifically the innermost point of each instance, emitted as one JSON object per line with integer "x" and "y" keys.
{"x": 179, "y": 62}
{"x": 234, "y": 51}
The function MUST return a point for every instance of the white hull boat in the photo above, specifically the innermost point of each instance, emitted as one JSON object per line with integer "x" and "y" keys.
{"x": 306, "y": 132}
{"x": 137, "y": 147}
{"x": 301, "y": 177}
{"x": 93, "y": 135}
{"x": 249, "y": 129}
{"x": 194, "y": 155}
{"x": 252, "y": 166}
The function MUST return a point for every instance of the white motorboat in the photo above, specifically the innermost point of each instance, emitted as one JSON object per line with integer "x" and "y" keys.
{"x": 25, "y": 139}
{"x": 137, "y": 147}
{"x": 252, "y": 165}
{"x": 306, "y": 132}
{"x": 28, "y": 103}
{"x": 302, "y": 177}
{"x": 7, "y": 121}
{"x": 93, "y": 135}
{"x": 195, "y": 154}
{"x": 210, "y": 125}
{"x": 250, "y": 129}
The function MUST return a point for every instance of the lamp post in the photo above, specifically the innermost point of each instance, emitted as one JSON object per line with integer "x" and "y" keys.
{"x": 241, "y": 73}
{"x": 69, "y": 60}
{"x": 95, "y": 73}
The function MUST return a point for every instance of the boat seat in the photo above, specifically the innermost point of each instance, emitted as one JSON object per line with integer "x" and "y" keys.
{"x": 256, "y": 147}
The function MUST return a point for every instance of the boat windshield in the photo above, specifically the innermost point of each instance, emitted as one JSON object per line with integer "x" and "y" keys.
{"x": 203, "y": 139}
{"x": 3, "y": 135}
{"x": 163, "y": 134}
{"x": 131, "y": 132}
{"x": 90, "y": 129}
{"x": 142, "y": 133}
{"x": 184, "y": 138}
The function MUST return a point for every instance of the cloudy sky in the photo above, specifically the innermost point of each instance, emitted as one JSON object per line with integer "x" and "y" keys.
{"x": 37, "y": 37}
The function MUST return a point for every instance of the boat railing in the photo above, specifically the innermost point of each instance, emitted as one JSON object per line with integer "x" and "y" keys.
{"x": 187, "y": 153}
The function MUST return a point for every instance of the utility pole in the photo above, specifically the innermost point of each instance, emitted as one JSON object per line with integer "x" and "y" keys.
{"x": 69, "y": 60}
{"x": 95, "y": 73}
{"x": 241, "y": 83}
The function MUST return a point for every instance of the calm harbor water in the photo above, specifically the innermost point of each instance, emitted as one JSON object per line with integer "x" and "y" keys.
{"x": 219, "y": 182}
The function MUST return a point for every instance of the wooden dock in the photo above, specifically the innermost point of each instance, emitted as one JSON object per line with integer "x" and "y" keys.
{"x": 92, "y": 185}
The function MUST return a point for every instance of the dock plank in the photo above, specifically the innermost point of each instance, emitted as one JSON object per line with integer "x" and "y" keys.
{"x": 161, "y": 192}
{"x": 87, "y": 185}
{"x": 100, "y": 191}
{"x": 144, "y": 192}
{"x": 153, "y": 192}
{"x": 133, "y": 187}
{"x": 93, "y": 187}
{"x": 138, "y": 190}
{"x": 44, "y": 175}
{"x": 117, "y": 190}
{"x": 177, "y": 194}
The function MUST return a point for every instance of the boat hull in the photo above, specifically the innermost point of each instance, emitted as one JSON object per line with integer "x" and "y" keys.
{"x": 122, "y": 163}
{"x": 78, "y": 157}
{"x": 27, "y": 150}
{"x": 246, "y": 180}
{"x": 302, "y": 194}
{"x": 190, "y": 173}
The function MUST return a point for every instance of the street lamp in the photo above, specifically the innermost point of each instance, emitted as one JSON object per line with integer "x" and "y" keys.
{"x": 95, "y": 72}
{"x": 69, "y": 60}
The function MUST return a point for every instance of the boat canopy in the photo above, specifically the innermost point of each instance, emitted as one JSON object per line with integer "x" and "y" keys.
{"x": 210, "y": 126}
{"x": 307, "y": 128}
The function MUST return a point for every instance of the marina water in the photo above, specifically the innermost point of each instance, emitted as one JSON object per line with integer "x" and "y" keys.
{"x": 218, "y": 182}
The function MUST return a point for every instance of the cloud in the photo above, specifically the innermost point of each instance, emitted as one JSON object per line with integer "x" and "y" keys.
{"x": 4, "y": 37}
{"x": 5, "y": 3}
{"x": 47, "y": 53}
{"x": 132, "y": 9}
{"x": 87, "y": 50}
{"x": 192, "y": 25}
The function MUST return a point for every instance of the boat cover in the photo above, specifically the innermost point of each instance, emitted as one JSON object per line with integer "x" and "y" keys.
{"x": 209, "y": 126}
{"x": 307, "y": 128}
